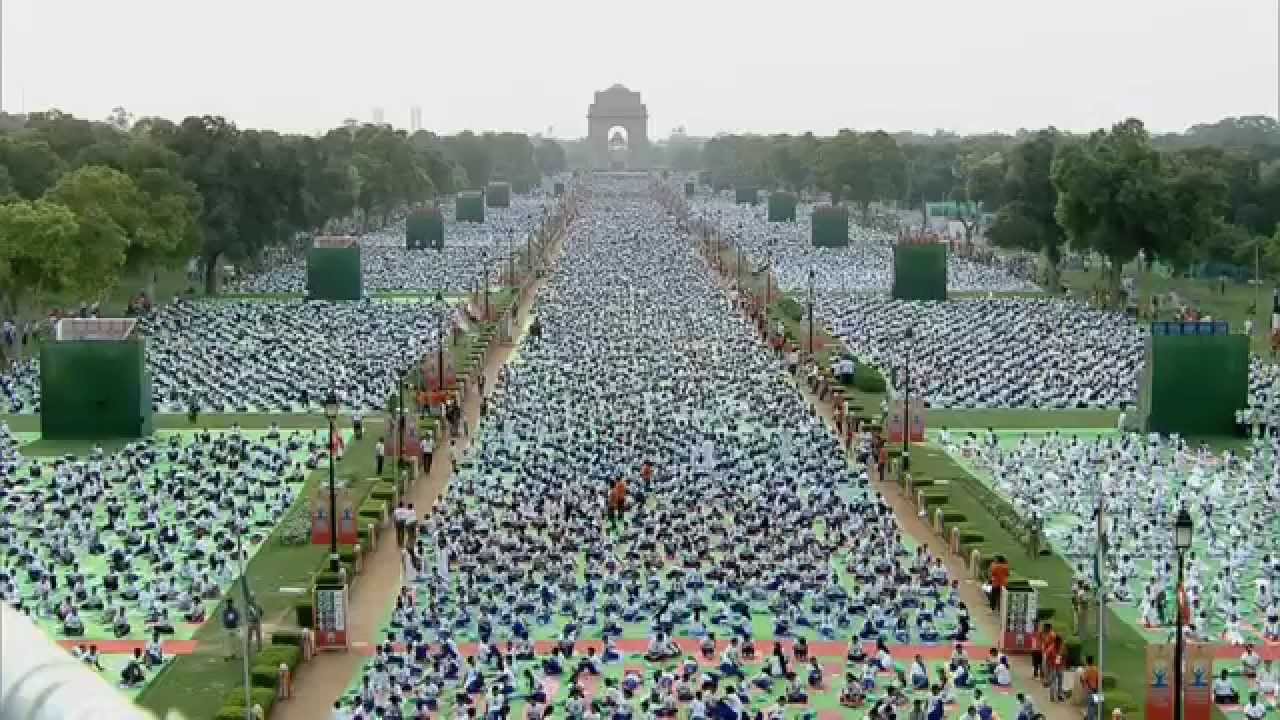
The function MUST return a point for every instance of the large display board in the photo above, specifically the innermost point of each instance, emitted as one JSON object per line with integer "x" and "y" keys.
{"x": 95, "y": 387}
{"x": 920, "y": 271}
{"x": 1195, "y": 378}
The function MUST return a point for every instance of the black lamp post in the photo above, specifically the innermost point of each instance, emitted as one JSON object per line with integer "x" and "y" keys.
{"x": 484, "y": 262}
{"x": 331, "y": 412}
{"x": 811, "y": 274}
{"x": 768, "y": 275}
{"x": 906, "y": 406}
{"x": 444, "y": 314}
{"x": 1183, "y": 530}
{"x": 511, "y": 262}
{"x": 737, "y": 244}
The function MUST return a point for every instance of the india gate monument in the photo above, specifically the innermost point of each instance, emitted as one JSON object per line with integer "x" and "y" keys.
{"x": 617, "y": 129}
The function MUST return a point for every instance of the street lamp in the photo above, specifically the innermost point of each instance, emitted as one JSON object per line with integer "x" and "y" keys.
{"x": 444, "y": 314}
{"x": 484, "y": 263}
{"x": 811, "y": 274}
{"x": 331, "y": 412}
{"x": 906, "y": 406}
{"x": 1183, "y": 529}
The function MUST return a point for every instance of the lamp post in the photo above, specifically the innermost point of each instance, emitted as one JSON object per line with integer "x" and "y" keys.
{"x": 331, "y": 412}
{"x": 906, "y": 406}
{"x": 444, "y": 314}
{"x": 511, "y": 262}
{"x": 768, "y": 275}
{"x": 1183, "y": 530}
{"x": 811, "y": 274}
{"x": 484, "y": 263}
{"x": 737, "y": 246}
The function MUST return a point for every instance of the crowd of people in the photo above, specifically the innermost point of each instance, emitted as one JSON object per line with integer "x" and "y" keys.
{"x": 472, "y": 252}
{"x": 239, "y": 356}
{"x": 1001, "y": 352}
{"x": 1058, "y": 481}
{"x": 648, "y": 481}
{"x": 141, "y": 543}
{"x": 866, "y": 265}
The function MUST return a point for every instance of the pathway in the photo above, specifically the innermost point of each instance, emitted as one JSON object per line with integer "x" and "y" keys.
{"x": 323, "y": 680}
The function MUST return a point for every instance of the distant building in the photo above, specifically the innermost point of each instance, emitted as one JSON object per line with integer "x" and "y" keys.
{"x": 415, "y": 118}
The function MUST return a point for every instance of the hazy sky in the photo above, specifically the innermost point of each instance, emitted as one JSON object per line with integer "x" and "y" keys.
{"x": 710, "y": 65}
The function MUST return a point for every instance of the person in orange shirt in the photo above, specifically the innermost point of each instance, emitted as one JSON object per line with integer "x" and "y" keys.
{"x": 646, "y": 471}
{"x": 999, "y": 579}
{"x": 617, "y": 502}
{"x": 1090, "y": 681}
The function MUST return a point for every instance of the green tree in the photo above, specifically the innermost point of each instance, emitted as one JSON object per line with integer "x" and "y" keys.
{"x": 39, "y": 252}
{"x": 1028, "y": 221}
{"x": 862, "y": 168}
{"x": 33, "y": 165}
{"x": 550, "y": 157}
{"x": 111, "y": 213}
{"x": 1119, "y": 196}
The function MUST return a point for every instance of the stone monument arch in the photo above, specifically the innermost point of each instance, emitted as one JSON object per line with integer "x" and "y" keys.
{"x": 617, "y": 107}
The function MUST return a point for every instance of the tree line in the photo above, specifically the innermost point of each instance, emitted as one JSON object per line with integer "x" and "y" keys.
{"x": 84, "y": 203}
{"x": 1209, "y": 196}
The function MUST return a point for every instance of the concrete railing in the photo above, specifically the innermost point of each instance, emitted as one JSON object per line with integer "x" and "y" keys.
{"x": 41, "y": 681}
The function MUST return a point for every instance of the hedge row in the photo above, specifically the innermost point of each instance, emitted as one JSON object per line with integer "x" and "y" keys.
{"x": 264, "y": 677}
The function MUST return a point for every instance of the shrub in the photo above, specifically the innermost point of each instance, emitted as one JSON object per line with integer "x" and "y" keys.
{"x": 259, "y": 696}
{"x": 949, "y": 516}
{"x": 324, "y": 578}
{"x": 277, "y": 655}
{"x": 287, "y": 638}
{"x": 302, "y": 613}
{"x": 1113, "y": 699}
{"x": 972, "y": 537}
{"x": 868, "y": 379}
{"x": 1074, "y": 653}
{"x": 264, "y": 676}
{"x": 932, "y": 499}
{"x": 1045, "y": 614}
{"x": 296, "y": 527}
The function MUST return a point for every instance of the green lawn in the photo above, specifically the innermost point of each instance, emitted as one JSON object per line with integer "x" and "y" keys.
{"x": 1020, "y": 418}
{"x": 1233, "y": 306}
{"x": 177, "y": 421}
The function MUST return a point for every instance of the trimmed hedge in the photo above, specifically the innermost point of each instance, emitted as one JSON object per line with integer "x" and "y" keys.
{"x": 948, "y": 516}
{"x": 868, "y": 379}
{"x": 931, "y": 499}
{"x": 303, "y": 613}
{"x": 287, "y": 638}
{"x": 1113, "y": 699}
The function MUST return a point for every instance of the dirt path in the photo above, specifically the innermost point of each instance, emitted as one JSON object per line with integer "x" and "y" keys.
{"x": 323, "y": 680}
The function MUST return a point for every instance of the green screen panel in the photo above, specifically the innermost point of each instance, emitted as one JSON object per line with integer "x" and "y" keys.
{"x": 559, "y": 189}
{"x": 91, "y": 389}
{"x": 424, "y": 228}
{"x": 782, "y": 207}
{"x": 333, "y": 273}
{"x": 920, "y": 271}
{"x": 747, "y": 195}
{"x": 830, "y": 226}
{"x": 1194, "y": 383}
{"x": 469, "y": 207}
{"x": 498, "y": 195}
{"x": 690, "y": 189}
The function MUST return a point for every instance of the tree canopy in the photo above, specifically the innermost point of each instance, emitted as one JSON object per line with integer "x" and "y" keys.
{"x": 134, "y": 194}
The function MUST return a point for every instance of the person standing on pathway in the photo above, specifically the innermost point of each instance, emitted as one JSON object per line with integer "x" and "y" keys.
{"x": 617, "y": 502}
{"x": 999, "y": 579}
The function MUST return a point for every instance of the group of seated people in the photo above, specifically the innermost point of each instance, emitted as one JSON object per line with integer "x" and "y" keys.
{"x": 742, "y": 524}
{"x": 143, "y": 540}
{"x": 267, "y": 356}
{"x": 865, "y": 266}
{"x": 471, "y": 250}
{"x": 1232, "y": 572}
{"x": 994, "y": 352}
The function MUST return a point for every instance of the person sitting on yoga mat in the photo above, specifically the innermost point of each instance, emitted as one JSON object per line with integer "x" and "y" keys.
{"x": 1224, "y": 692}
{"x": 133, "y": 675}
